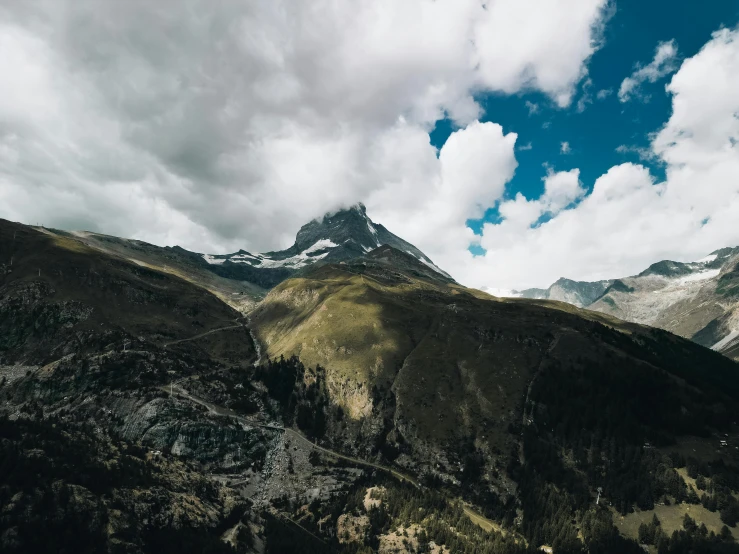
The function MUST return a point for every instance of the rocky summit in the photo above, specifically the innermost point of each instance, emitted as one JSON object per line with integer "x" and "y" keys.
{"x": 241, "y": 279}
{"x": 336, "y": 237}
{"x": 577, "y": 293}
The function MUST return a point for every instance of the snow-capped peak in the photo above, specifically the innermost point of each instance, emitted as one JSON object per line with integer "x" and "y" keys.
{"x": 311, "y": 254}
{"x": 338, "y": 236}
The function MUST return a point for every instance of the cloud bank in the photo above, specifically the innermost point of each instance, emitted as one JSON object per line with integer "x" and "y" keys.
{"x": 225, "y": 125}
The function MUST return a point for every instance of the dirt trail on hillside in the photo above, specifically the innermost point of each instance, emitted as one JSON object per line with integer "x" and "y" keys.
{"x": 201, "y": 335}
{"x": 226, "y": 412}
{"x": 476, "y": 517}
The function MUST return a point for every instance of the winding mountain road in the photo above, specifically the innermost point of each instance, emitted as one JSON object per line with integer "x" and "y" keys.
{"x": 201, "y": 335}
{"x": 176, "y": 390}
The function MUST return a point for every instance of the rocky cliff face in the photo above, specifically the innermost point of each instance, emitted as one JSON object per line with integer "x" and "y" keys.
{"x": 67, "y": 486}
{"x": 577, "y": 293}
{"x": 696, "y": 300}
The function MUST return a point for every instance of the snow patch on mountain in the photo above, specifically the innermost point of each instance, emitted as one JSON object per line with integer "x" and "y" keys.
{"x": 708, "y": 259}
{"x": 213, "y": 260}
{"x": 294, "y": 262}
{"x": 302, "y": 259}
{"x": 699, "y": 276}
{"x": 322, "y": 244}
{"x": 262, "y": 260}
{"x": 374, "y": 232}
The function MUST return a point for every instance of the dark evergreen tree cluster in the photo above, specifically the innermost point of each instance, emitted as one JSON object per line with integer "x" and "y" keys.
{"x": 60, "y": 484}
{"x": 690, "y": 539}
{"x": 300, "y": 392}
{"x": 610, "y": 416}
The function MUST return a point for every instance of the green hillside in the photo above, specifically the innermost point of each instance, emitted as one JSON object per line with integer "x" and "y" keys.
{"x": 483, "y": 425}
{"x": 518, "y": 402}
{"x": 59, "y": 296}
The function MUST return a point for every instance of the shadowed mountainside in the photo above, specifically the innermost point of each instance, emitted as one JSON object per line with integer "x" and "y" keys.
{"x": 429, "y": 366}
{"x": 58, "y": 296}
{"x": 503, "y": 417}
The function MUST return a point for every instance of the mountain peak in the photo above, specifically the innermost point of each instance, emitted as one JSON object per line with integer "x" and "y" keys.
{"x": 338, "y": 236}
{"x": 349, "y": 226}
{"x": 359, "y": 207}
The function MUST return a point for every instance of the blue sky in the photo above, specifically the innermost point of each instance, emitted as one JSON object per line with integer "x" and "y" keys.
{"x": 630, "y": 37}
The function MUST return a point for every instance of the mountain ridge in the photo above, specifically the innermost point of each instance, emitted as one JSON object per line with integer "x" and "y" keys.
{"x": 578, "y": 293}
{"x": 242, "y": 279}
{"x": 698, "y": 300}
{"x": 207, "y": 429}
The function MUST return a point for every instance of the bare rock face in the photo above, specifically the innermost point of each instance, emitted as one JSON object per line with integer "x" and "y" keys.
{"x": 185, "y": 431}
{"x": 577, "y": 293}
{"x": 696, "y": 300}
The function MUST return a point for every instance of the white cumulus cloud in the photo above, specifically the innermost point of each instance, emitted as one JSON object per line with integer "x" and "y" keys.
{"x": 630, "y": 220}
{"x": 664, "y": 63}
{"x": 469, "y": 175}
{"x": 222, "y": 125}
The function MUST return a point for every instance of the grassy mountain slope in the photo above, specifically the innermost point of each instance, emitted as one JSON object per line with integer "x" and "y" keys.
{"x": 233, "y": 288}
{"x": 438, "y": 370}
{"x": 59, "y": 296}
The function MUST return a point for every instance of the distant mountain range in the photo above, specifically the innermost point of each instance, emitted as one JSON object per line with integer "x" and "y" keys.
{"x": 697, "y": 300}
